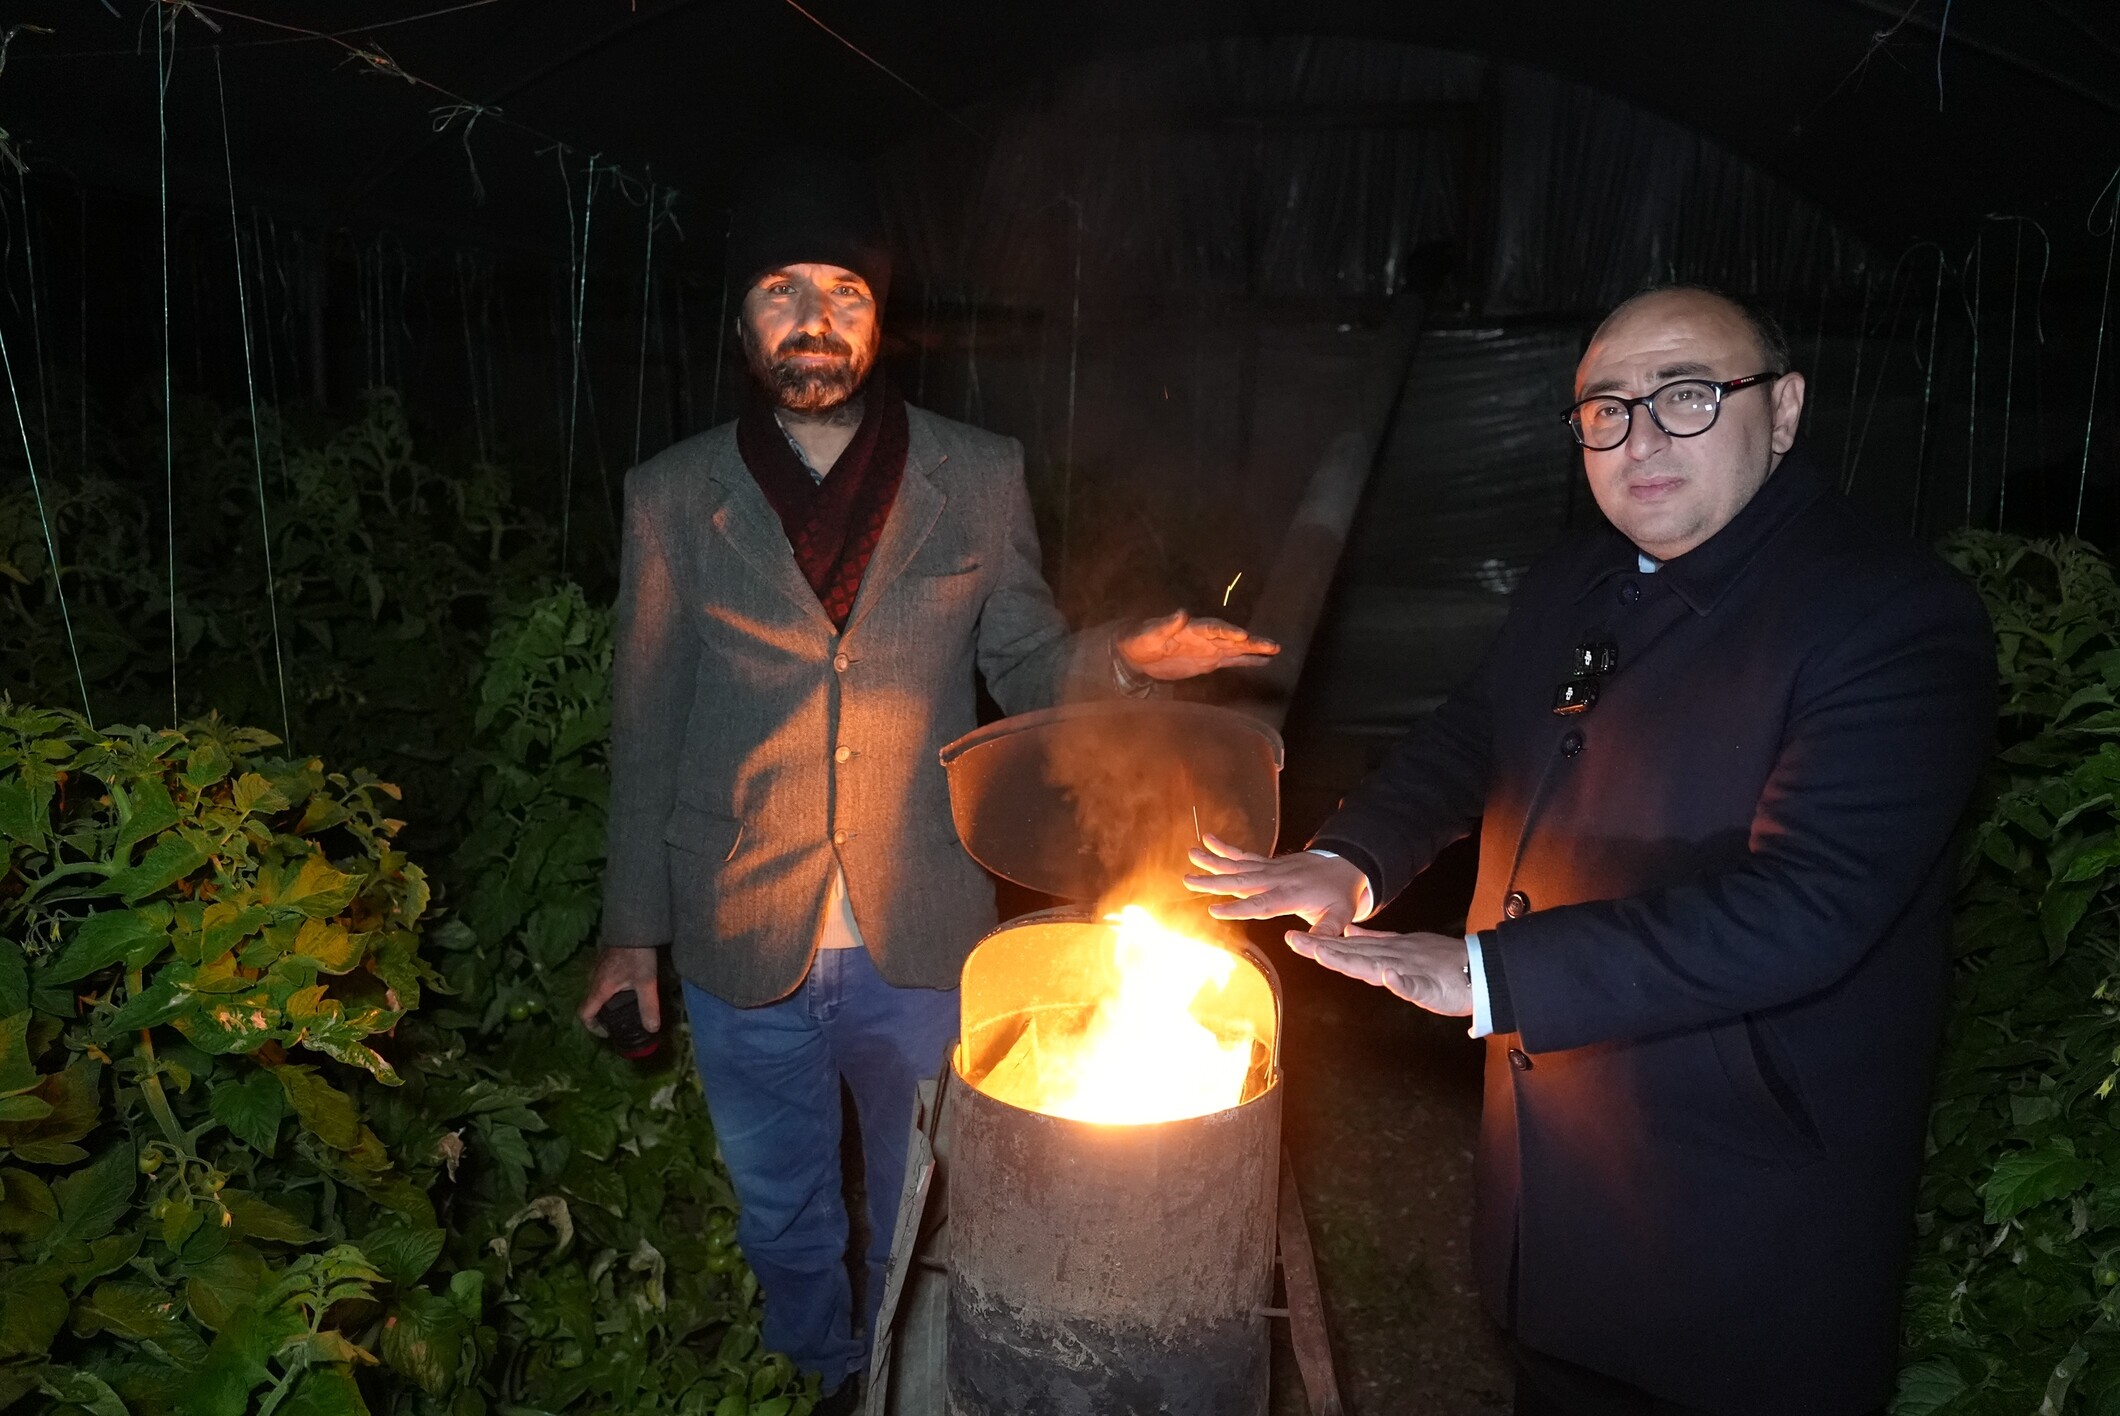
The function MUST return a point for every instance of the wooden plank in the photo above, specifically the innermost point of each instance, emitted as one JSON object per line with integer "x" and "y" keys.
{"x": 1306, "y": 1303}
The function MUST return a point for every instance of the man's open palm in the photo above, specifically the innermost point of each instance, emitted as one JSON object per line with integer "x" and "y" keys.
{"x": 1181, "y": 647}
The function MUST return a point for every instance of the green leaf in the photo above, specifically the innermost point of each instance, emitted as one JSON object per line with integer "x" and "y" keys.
{"x": 319, "y": 890}
{"x": 335, "y": 948}
{"x": 16, "y": 1072}
{"x": 221, "y": 1285}
{"x": 252, "y": 792}
{"x": 135, "y": 1310}
{"x": 92, "y": 1199}
{"x": 32, "y": 1310}
{"x": 2060, "y": 911}
{"x": 324, "y": 1111}
{"x": 251, "y": 1109}
{"x": 27, "y": 1209}
{"x": 236, "y": 1361}
{"x": 424, "y": 1338}
{"x": 24, "y": 1108}
{"x": 253, "y": 1218}
{"x": 14, "y": 978}
{"x": 103, "y": 939}
{"x": 402, "y": 1252}
{"x": 168, "y": 861}
{"x": 2031, "y": 1177}
{"x": 83, "y": 1389}
{"x": 326, "y": 1391}
{"x": 166, "y": 998}
{"x": 467, "y": 1289}
{"x": 152, "y": 812}
{"x": 23, "y": 816}
{"x": 206, "y": 765}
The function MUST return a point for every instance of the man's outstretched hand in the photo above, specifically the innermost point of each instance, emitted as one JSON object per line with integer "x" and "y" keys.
{"x": 1427, "y": 969}
{"x": 1328, "y": 893}
{"x": 1181, "y": 647}
{"x": 616, "y": 971}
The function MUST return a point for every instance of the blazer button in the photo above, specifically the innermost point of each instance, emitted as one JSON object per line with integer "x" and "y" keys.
{"x": 1516, "y": 904}
{"x": 840, "y": 662}
{"x": 839, "y": 838}
{"x": 1630, "y": 592}
{"x": 1519, "y": 1059}
{"x": 1571, "y": 744}
{"x": 842, "y": 754}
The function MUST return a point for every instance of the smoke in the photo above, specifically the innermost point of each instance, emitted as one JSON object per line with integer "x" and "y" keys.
{"x": 1146, "y": 781}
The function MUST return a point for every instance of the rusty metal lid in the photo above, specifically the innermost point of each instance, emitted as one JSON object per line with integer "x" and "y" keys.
{"x": 1092, "y": 800}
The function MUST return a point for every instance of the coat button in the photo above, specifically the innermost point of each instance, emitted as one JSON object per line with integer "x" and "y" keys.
{"x": 1570, "y": 745}
{"x": 839, "y": 838}
{"x": 1630, "y": 591}
{"x": 1516, "y": 904}
{"x": 840, "y": 662}
{"x": 1519, "y": 1059}
{"x": 842, "y": 754}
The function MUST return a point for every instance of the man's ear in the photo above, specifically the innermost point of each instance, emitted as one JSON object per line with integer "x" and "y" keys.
{"x": 1787, "y": 394}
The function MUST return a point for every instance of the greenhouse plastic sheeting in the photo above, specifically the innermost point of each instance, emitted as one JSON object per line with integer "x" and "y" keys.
{"x": 1334, "y": 168}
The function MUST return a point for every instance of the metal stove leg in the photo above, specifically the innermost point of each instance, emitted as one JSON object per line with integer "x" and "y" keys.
{"x": 1306, "y": 1304}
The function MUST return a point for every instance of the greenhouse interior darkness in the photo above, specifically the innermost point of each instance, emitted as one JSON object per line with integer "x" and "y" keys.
{"x": 403, "y": 636}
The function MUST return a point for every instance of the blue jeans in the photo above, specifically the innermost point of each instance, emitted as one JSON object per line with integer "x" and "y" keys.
{"x": 772, "y": 1077}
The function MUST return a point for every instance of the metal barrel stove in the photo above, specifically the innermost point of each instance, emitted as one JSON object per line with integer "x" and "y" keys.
{"x": 1102, "y": 1269}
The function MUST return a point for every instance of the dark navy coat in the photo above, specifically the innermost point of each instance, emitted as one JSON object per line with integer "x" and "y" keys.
{"x": 1713, "y": 909}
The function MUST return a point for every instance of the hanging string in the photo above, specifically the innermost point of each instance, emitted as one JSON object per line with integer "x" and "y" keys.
{"x": 721, "y": 332}
{"x": 250, "y": 380}
{"x": 647, "y": 278}
{"x": 51, "y": 549}
{"x": 1862, "y": 336}
{"x": 1885, "y": 363}
{"x": 36, "y": 323}
{"x": 84, "y": 331}
{"x": 1928, "y": 389}
{"x": 463, "y": 300}
{"x": 2009, "y": 378}
{"x": 1074, "y": 361}
{"x": 272, "y": 360}
{"x": 1972, "y": 412}
{"x": 577, "y": 296}
{"x": 163, "y": 69}
{"x": 2112, "y": 231}
{"x": 887, "y": 70}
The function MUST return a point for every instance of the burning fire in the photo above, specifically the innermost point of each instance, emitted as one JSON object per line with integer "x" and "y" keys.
{"x": 1143, "y": 1054}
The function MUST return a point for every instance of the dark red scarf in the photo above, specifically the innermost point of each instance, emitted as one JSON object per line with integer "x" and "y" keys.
{"x": 832, "y": 526}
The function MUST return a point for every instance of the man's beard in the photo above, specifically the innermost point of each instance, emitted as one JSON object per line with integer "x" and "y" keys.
{"x": 809, "y": 389}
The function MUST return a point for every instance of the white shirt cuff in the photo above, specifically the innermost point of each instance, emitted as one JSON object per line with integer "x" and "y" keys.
{"x": 1365, "y": 903}
{"x": 1482, "y": 1010}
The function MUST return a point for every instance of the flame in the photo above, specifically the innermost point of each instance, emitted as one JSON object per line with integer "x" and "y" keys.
{"x": 1143, "y": 1055}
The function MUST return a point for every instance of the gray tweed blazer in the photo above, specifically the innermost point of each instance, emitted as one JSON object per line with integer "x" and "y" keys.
{"x": 753, "y": 747}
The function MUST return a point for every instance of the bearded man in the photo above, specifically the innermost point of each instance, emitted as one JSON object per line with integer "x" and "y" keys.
{"x": 805, "y": 597}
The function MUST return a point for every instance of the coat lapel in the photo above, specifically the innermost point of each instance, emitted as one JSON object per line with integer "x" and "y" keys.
{"x": 912, "y": 517}
{"x": 746, "y": 520}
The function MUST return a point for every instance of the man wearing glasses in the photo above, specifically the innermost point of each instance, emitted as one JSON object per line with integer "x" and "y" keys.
{"x": 1720, "y": 747}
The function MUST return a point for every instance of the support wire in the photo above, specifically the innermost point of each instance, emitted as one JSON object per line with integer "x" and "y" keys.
{"x": 163, "y": 68}
{"x": 250, "y": 379}
{"x": 51, "y": 549}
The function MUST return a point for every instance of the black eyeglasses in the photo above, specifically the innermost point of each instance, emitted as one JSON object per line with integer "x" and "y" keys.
{"x": 1683, "y": 408}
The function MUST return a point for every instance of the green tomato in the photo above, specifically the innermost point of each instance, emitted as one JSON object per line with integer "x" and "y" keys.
{"x": 717, "y": 1241}
{"x": 517, "y": 1012}
{"x": 536, "y": 1005}
{"x": 159, "y": 1209}
{"x": 723, "y": 1262}
{"x": 149, "y": 1162}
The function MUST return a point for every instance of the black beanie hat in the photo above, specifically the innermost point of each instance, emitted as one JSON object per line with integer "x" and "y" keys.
{"x": 809, "y": 207}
